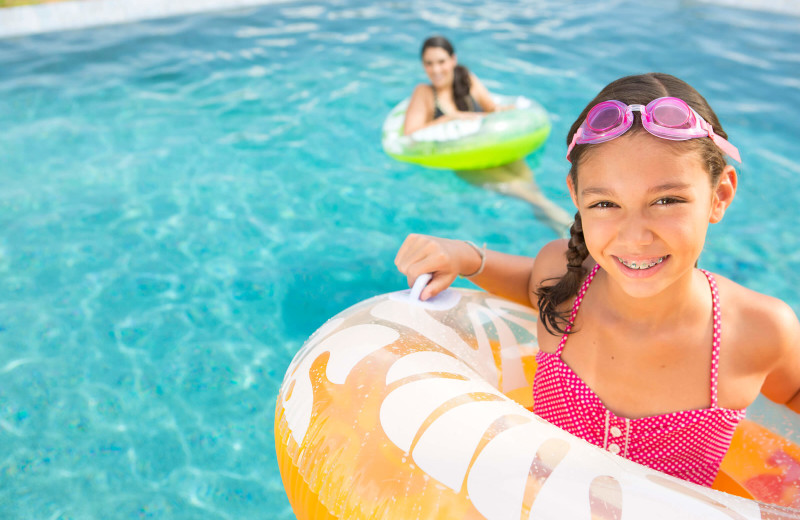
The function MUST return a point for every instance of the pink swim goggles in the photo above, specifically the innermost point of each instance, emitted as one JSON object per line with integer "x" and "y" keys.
{"x": 666, "y": 117}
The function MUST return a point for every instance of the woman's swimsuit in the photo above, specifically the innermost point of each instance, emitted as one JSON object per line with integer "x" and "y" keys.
{"x": 689, "y": 444}
{"x": 472, "y": 105}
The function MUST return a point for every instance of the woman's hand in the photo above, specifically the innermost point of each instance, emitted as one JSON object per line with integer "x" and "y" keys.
{"x": 445, "y": 259}
{"x": 458, "y": 114}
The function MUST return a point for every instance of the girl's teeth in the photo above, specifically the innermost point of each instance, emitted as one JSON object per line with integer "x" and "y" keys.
{"x": 634, "y": 265}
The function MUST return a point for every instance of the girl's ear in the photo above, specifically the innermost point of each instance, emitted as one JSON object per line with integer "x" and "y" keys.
{"x": 572, "y": 193}
{"x": 723, "y": 194}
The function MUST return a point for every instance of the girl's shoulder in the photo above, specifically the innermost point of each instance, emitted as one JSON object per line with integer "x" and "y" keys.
{"x": 550, "y": 262}
{"x": 761, "y": 324}
{"x": 751, "y": 305}
{"x": 760, "y": 343}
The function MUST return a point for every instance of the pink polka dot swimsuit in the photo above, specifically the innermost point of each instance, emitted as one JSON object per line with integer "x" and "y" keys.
{"x": 689, "y": 444}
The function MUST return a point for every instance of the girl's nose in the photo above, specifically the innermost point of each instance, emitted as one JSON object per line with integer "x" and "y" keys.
{"x": 635, "y": 229}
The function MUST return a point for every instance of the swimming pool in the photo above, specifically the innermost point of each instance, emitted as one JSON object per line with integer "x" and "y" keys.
{"x": 185, "y": 200}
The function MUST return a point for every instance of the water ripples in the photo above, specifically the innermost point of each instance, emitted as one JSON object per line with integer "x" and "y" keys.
{"x": 185, "y": 200}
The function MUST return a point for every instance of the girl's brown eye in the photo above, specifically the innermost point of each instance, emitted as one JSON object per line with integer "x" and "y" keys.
{"x": 668, "y": 200}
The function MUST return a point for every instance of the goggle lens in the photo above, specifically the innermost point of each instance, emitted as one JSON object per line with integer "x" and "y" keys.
{"x": 604, "y": 117}
{"x": 671, "y": 114}
{"x": 667, "y": 117}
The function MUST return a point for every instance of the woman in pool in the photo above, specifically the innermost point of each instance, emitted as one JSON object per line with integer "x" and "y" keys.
{"x": 453, "y": 93}
{"x": 632, "y": 352}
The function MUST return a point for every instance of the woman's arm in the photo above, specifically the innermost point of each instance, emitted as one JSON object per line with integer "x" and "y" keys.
{"x": 482, "y": 95}
{"x": 421, "y": 108}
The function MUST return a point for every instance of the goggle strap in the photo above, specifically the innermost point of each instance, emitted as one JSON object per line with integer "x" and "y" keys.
{"x": 721, "y": 142}
{"x": 575, "y": 138}
{"x": 725, "y": 146}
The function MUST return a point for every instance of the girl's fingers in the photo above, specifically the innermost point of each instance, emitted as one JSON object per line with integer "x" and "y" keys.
{"x": 437, "y": 284}
{"x": 418, "y": 255}
{"x": 409, "y": 253}
{"x": 421, "y": 254}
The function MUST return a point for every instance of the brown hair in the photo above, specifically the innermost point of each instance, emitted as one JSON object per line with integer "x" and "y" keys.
{"x": 641, "y": 90}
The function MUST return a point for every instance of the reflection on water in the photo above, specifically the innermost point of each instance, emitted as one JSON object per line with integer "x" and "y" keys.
{"x": 185, "y": 200}
{"x": 516, "y": 179}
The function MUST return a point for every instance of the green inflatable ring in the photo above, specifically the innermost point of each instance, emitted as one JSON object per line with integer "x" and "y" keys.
{"x": 470, "y": 144}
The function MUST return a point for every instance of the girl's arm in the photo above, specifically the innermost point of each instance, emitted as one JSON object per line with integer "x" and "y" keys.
{"x": 782, "y": 384}
{"x": 794, "y": 402}
{"x": 505, "y": 275}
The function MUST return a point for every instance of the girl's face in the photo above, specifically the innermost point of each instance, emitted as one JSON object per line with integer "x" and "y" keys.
{"x": 439, "y": 66}
{"x": 645, "y": 208}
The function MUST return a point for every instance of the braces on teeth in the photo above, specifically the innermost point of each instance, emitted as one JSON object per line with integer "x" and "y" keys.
{"x": 633, "y": 265}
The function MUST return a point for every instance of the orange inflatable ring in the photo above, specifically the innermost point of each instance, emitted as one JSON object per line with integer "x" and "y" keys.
{"x": 400, "y": 409}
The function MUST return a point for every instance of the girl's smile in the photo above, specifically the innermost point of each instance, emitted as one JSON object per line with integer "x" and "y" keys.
{"x": 642, "y": 265}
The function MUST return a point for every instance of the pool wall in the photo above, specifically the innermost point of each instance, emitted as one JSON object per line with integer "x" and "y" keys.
{"x": 35, "y": 19}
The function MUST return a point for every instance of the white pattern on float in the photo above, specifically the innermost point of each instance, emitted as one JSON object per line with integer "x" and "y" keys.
{"x": 418, "y": 319}
{"x": 445, "y": 456}
{"x": 347, "y": 347}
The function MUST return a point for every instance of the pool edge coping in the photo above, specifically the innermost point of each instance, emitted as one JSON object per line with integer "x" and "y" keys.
{"x": 29, "y": 20}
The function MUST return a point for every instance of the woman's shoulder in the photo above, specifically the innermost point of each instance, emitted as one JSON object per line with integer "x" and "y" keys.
{"x": 423, "y": 96}
{"x": 479, "y": 91}
{"x": 423, "y": 90}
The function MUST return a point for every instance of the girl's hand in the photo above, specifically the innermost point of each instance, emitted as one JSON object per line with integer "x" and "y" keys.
{"x": 445, "y": 259}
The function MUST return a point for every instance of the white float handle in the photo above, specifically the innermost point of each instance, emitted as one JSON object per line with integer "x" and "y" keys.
{"x": 419, "y": 284}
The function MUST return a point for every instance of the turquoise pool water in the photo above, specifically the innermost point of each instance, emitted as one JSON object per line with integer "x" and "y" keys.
{"x": 183, "y": 201}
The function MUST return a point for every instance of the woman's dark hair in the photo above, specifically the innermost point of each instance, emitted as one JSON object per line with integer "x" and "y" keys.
{"x": 641, "y": 90}
{"x": 461, "y": 79}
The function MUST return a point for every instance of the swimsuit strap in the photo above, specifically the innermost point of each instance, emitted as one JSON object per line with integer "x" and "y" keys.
{"x": 716, "y": 318}
{"x": 578, "y": 300}
{"x": 717, "y": 335}
{"x": 436, "y": 104}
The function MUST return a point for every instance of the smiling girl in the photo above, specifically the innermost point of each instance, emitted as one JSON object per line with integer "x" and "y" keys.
{"x": 641, "y": 353}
